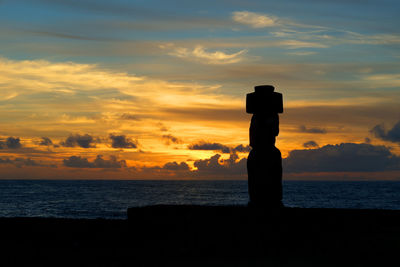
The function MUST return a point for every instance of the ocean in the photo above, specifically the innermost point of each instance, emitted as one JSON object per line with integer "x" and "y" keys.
{"x": 110, "y": 199}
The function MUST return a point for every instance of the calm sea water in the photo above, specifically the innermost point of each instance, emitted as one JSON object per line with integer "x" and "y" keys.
{"x": 110, "y": 199}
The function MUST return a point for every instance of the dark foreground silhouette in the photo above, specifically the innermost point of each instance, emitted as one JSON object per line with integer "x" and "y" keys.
{"x": 207, "y": 236}
{"x": 264, "y": 164}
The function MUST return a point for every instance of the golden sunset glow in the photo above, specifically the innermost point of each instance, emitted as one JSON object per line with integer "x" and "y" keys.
{"x": 111, "y": 96}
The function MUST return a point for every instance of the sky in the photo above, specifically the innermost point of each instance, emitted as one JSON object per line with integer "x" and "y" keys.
{"x": 156, "y": 89}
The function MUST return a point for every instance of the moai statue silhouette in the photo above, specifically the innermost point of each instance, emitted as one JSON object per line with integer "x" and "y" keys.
{"x": 264, "y": 164}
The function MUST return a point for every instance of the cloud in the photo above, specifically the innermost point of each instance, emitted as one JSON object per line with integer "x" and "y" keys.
{"x": 8, "y": 96}
{"x": 302, "y": 53}
{"x": 323, "y": 37}
{"x": 315, "y": 130}
{"x": 171, "y": 139}
{"x": 346, "y": 157}
{"x": 254, "y": 20}
{"x": 242, "y": 148}
{"x": 121, "y": 141}
{"x": 45, "y": 141}
{"x": 84, "y": 141}
{"x": 392, "y": 135}
{"x": 66, "y": 88}
{"x": 19, "y": 162}
{"x": 295, "y": 44}
{"x": 384, "y": 80}
{"x": 310, "y": 144}
{"x": 210, "y": 146}
{"x": 77, "y": 162}
{"x": 99, "y": 162}
{"x": 68, "y": 36}
{"x": 162, "y": 127}
{"x": 174, "y": 166}
{"x": 113, "y": 162}
{"x": 215, "y": 166}
{"x": 5, "y": 161}
{"x": 142, "y": 15}
{"x": 25, "y": 162}
{"x": 301, "y": 35}
{"x": 11, "y": 142}
{"x": 202, "y": 145}
{"x": 206, "y": 114}
{"x": 86, "y": 86}
{"x": 198, "y": 53}
{"x": 211, "y": 168}
{"x": 66, "y": 77}
{"x": 372, "y": 39}
{"x": 129, "y": 116}
{"x": 167, "y": 171}
{"x": 347, "y": 115}
{"x": 105, "y": 8}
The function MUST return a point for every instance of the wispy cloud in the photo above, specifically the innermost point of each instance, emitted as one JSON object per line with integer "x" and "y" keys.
{"x": 41, "y": 75}
{"x": 302, "y": 53}
{"x": 8, "y": 95}
{"x": 294, "y": 44}
{"x": 92, "y": 83}
{"x": 372, "y": 39}
{"x": 327, "y": 37}
{"x": 68, "y": 36}
{"x": 202, "y": 145}
{"x": 254, "y": 20}
{"x": 314, "y": 130}
{"x": 199, "y": 53}
{"x": 384, "y": 80}
{"x": 170, "y": 139}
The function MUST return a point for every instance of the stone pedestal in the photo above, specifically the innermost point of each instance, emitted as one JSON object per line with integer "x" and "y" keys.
{"x": 264, "y": 164}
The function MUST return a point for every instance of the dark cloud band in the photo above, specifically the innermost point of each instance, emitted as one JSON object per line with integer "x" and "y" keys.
{"x": 99, "y": 162}
{"x": 218, "y": 147}
{"x": 346, "y": 157}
